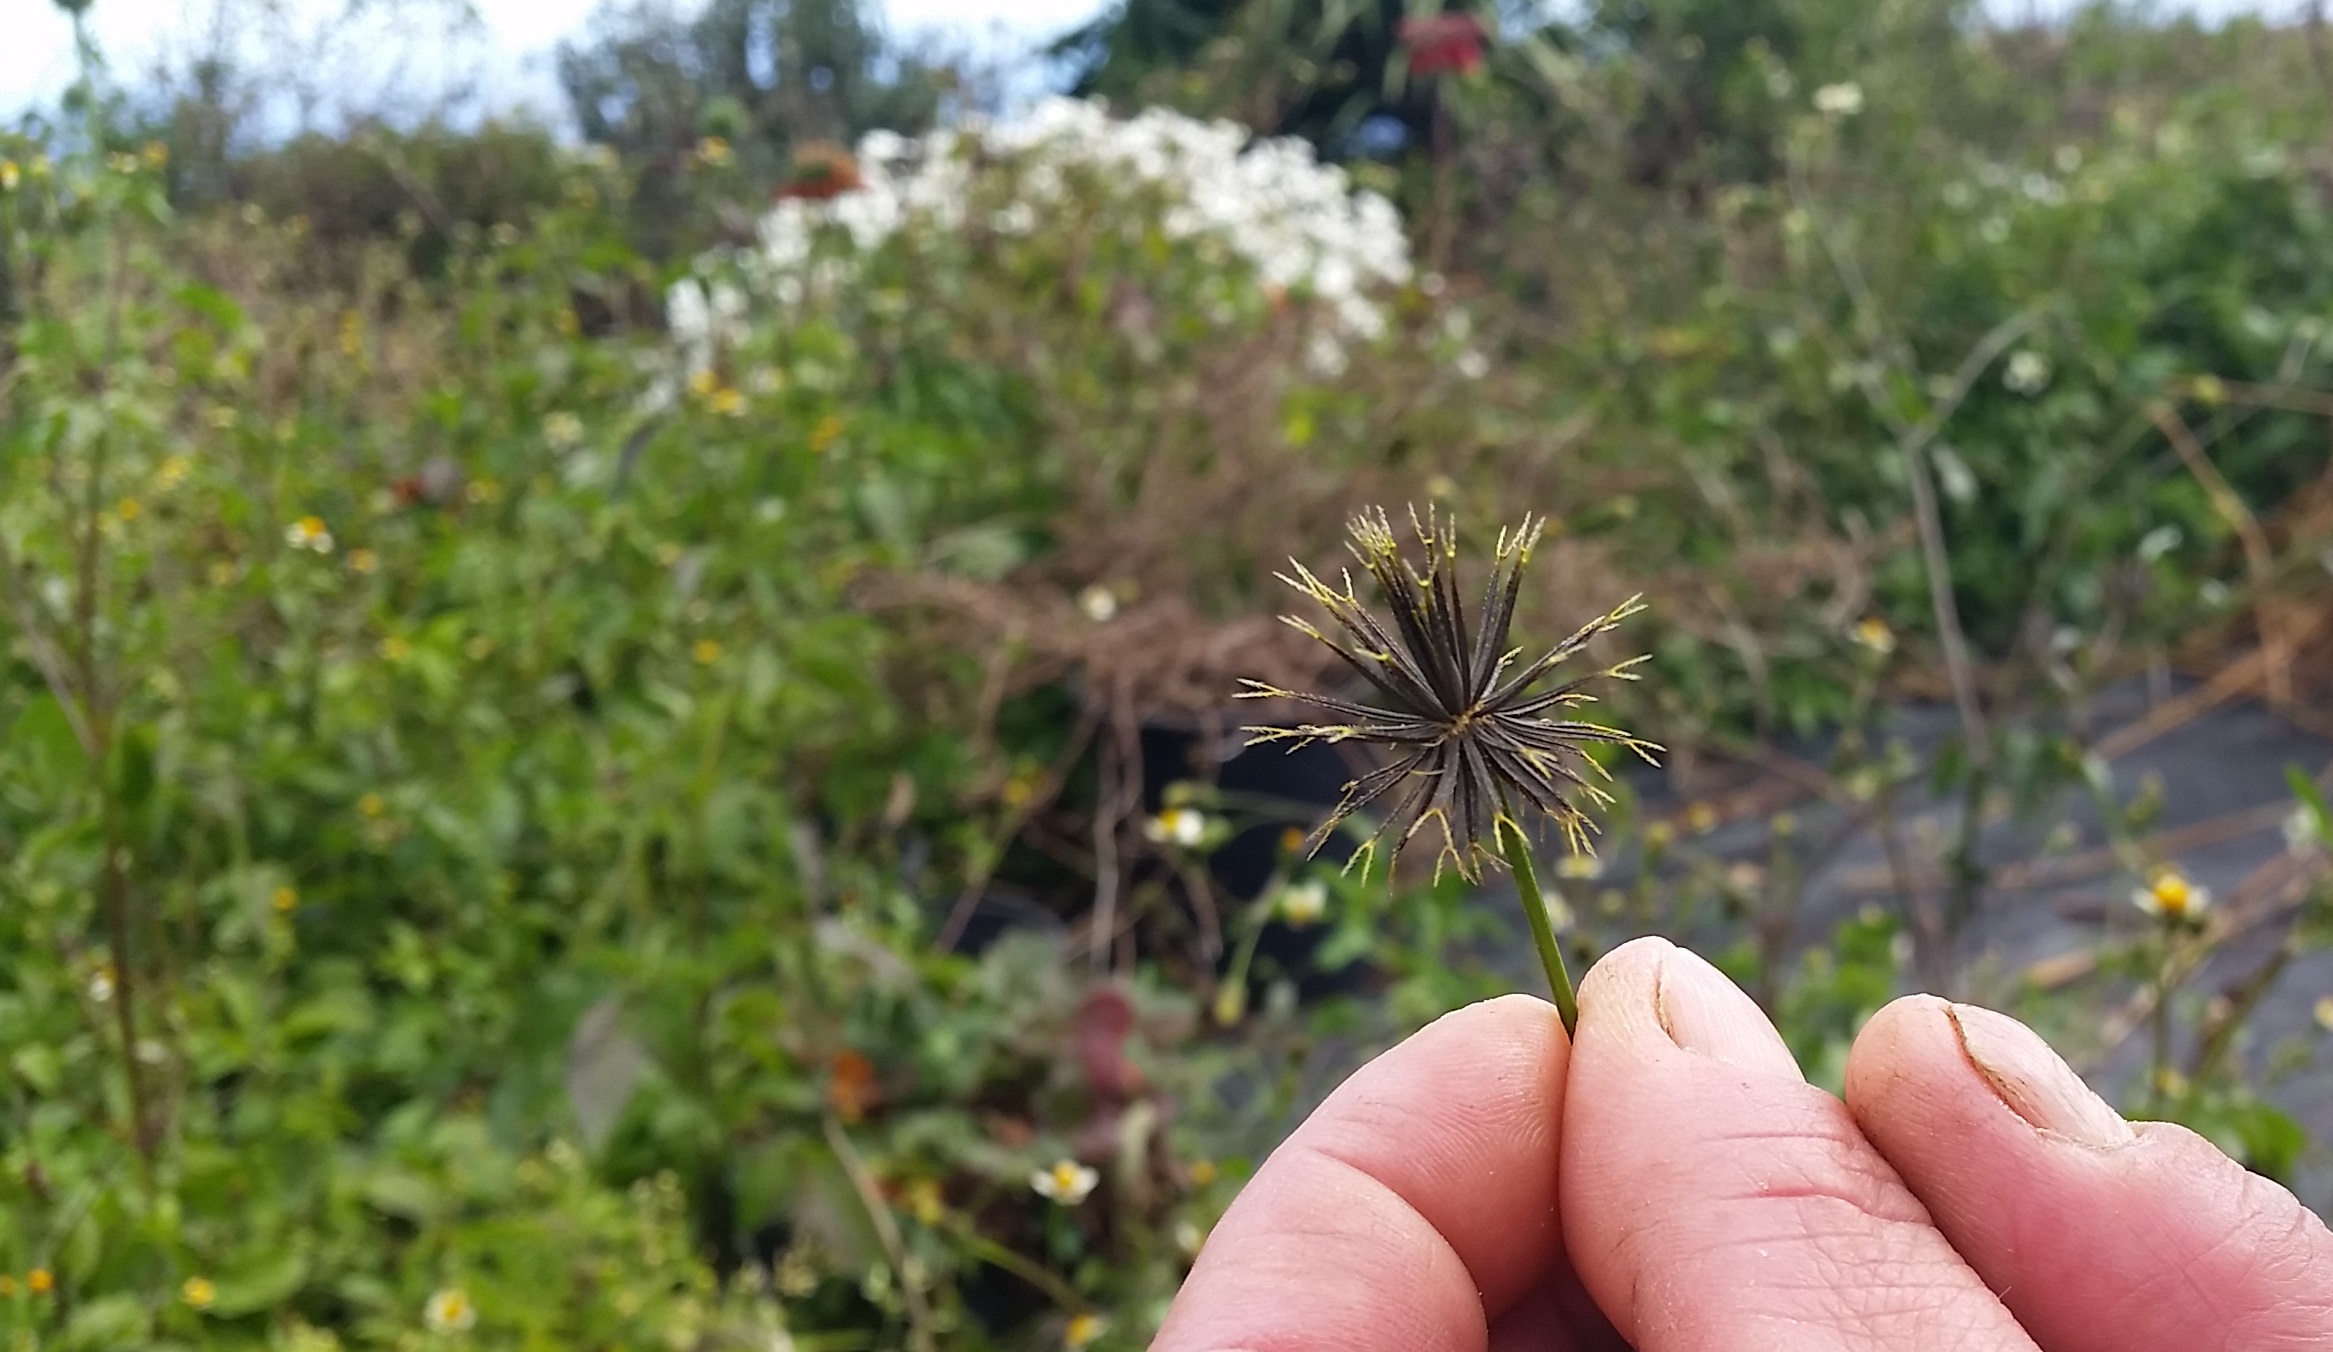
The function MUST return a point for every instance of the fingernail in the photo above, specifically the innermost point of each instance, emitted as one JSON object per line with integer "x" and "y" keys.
{"x": 1703, "y": 1012}
{"x": 2033, "y": 1081}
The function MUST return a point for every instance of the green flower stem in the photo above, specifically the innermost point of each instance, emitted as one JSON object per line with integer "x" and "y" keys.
{"x": 1518, "y": 855}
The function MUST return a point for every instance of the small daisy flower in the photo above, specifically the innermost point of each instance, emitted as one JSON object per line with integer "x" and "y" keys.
{"x": 1098, "y": 604}
{"x": 1304, "y": 903}
{"x": 1083, "y": 1329}
{"x": 2027, "y": 373}
{"x": 1579, "y": 867}
{"x": 1067, "y": 1182}
{"x": 2300, "y": 831}
{"x": 1844, "y": 99}
{"x": 363, "y": 561}
{"x": 1184, "y": 826}
{"x": 310, "y": 533}
{"x": 101, "y": 984}
{"x": 449, "y": 1310}
{"x": 1872, "y": 632}
{"x": 2170, "y": 897}
{"x": 199, "y": 1292}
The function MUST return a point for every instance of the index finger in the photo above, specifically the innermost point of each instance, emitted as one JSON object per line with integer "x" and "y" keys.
{"x": 1409, "y": 1211}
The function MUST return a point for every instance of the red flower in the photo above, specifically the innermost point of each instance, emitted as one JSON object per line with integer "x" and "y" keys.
{"x": 1443, "y": 44}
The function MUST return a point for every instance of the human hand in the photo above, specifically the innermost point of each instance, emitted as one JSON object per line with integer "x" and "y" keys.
{"x": 1671, "y": 1183}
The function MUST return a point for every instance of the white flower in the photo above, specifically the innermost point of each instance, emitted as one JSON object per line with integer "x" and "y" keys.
{"x": 1184, "y": 826}
{"x": 1840, "y": 100}
{"x": 1473, "y": 365}
{"x": 2301, "y": 835}
{"x": 1098, "y": 603}
{"x": 101, "y": 985}
{"x": 2170, "y": 896}
{"x": 1579, "y": 867}
{"x": 449, "y": 1310}
{"x": 1067, "y": 1182}
{"x": 2028, "y": 371}
{"x": 562, "y": 429}
{"x": 309, "y": 532}
{"x": 1303, "y": 903}
{"x": 1297, "y": 224}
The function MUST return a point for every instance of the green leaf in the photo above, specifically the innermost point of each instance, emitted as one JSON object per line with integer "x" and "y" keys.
{"x": 263, "y": 1284}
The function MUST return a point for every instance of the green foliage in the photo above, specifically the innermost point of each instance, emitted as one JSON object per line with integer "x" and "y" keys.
{"x": 478, "y": 796}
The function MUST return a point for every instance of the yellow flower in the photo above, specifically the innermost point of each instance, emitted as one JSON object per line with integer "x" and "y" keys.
{"x": 727, "y": 402}
{"x": 925, "y": 1201}
{"x": 129, "y": 509}
{"x": 171, "y": 473}
{"x": 707, "y": 651}
{"x": 1083, "y": 1329}
{"x": 155, "y": 154}
{"x": 1872, "y": 632}
{"x": 1203, "y": 1172}
{"x": 1067, "y": 1182}
{"x": 363, "y": 561}
{"x": 1785, "y": 824}
{"x": 714, "y": 150}
{"x": 371, "y": 805}
{"x": 284, "y": 899}
{"x": 483, "y": 490}
{"x": 1658, "y": 835}
{"x": 449, "y": 1310}
{"x": 1701, "y": 817}
{"x": 7, "y": 1282}
{"x": 2324, "y": 1012}
{"x": 562, "y": 429}
{"x": 829, "y": 428}
{"x": 394, "y": 648}
{"x": 9, "y": 175}
{"x": 2171, "y": 898}
{"x": 39, "y": 1281}
{"x": 199, "y": 1292}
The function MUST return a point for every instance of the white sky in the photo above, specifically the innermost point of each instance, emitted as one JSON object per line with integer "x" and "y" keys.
{"x": 508, "y": 54}
{"x": 510, "y": 50}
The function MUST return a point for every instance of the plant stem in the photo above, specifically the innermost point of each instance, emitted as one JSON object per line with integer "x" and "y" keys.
{"x": 1518, "y": 856}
